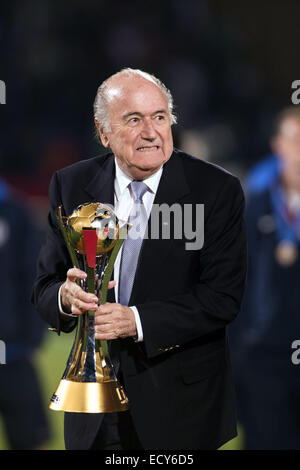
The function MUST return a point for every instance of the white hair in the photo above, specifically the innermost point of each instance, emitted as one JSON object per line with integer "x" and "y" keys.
{"x": 101, "y": 100}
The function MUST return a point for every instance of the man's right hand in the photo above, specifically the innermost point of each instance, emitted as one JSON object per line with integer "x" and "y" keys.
{"x": 74, "y": 299}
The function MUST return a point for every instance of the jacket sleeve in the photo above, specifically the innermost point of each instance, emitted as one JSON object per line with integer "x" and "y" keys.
{"x": 214, "y": 300}
{"x": 53, "y": 263}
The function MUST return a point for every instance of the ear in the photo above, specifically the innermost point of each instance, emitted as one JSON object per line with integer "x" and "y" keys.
{"x": 103, "y": 135}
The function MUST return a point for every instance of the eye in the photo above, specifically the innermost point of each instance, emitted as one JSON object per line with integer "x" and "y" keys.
{"x": 160, "y": 117}
{"x": 133, "y": 121}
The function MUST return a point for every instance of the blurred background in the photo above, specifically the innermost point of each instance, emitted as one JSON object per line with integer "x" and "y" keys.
{"x": 229, "y": 65}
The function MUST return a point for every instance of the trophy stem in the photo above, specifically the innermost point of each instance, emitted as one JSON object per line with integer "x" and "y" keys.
{"x": 106, "y": 278}
{"x": 110, "y": 266}
{"x": 89, "y": 383}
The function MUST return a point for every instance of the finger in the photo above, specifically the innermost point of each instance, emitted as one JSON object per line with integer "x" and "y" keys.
{"x": 74, "y": 273}
{"x": 105, "y": 332}
{"x": 76, "y": 311}
{"x": 86, "y": 297}
{"x": 111, "y": 284}
{"x": 77, "y": 306}
{"x": 81, "y": 299}
{"x": 105, "y": 336}
{"x": 106, "y": 308}
{"x": 105, "y": 329}
{"x": 112, "y": 331}
{"x": 103, "y": 319}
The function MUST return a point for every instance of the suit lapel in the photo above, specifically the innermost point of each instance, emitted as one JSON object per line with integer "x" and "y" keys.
{"x": 101, "y": 187}
{"x": 172, "y": 188}
{"x": 173, "y": 185}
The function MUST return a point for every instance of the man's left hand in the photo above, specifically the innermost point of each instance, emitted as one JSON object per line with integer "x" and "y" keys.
{"x": 113, "y": 320}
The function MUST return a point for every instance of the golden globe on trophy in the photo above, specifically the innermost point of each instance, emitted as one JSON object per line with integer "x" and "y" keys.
{"x": 89, "y": 383}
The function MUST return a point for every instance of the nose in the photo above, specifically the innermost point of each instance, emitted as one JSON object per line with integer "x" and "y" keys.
{"x": 148, "y": 130}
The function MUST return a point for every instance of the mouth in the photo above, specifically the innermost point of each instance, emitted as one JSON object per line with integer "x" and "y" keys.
{"x": 148, "y": 148}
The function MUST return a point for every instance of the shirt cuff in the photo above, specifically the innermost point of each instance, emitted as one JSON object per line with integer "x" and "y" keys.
{"x": 65, "y": 314}
{"x": 138, "y": 323}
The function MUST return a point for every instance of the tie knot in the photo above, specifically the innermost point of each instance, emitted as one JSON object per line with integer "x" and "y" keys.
{"x": 138, "y": 188}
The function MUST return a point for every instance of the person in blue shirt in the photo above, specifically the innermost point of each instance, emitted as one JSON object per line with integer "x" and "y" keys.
{"x": 261, "y": 338}
{"x": 262, "y": 174}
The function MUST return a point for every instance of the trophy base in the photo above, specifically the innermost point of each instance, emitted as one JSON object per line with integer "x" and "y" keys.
{"x": 89, "y": 397}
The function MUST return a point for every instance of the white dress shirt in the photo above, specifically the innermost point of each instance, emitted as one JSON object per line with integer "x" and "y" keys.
{"x": 123, "y": 205}
{"x": 123, "y": 202}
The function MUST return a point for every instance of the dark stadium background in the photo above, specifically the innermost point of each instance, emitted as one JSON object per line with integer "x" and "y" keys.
{"x": 229, "y": 64}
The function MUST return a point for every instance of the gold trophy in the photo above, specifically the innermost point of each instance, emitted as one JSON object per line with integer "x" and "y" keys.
{"x": 89, "y": 383}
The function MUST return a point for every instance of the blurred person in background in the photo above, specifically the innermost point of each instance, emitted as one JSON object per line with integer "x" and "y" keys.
{"x": 268, "y": 383}
{"x": 263, "y": 174}
{"x": 21, "y": 330}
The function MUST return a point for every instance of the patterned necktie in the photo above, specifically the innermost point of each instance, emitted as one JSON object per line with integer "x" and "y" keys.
{"x": 132, "y": 245}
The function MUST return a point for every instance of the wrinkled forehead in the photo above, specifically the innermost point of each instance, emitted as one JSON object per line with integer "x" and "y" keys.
{"x": 133, "y": 89}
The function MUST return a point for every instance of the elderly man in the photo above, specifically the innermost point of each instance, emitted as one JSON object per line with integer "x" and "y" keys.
{"x": 170, "y": 320}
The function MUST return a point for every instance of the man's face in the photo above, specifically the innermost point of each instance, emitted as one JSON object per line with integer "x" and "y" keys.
{"x": 140, "y": 129}
{"x": 287, "y": 145}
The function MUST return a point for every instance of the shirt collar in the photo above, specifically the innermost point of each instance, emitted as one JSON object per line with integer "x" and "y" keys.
{"x": 122, "y": 180}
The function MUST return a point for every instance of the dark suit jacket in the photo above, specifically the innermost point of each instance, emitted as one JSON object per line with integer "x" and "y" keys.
{"x": 178, "y": 379}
